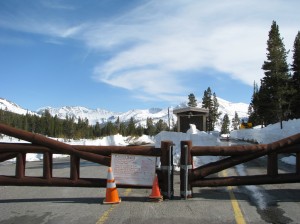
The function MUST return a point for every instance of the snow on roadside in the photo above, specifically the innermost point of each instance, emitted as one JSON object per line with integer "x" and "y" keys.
{"x": 198, "y": 138}
{"x": 256, "y": 193}
{"x": 114, "y": 140}
{"x": 289, "y": 160}
{"x": 268, "y": 134}
{"x": 265, "y": 135}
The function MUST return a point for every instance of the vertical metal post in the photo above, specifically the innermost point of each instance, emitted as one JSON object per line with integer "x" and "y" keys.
{"x": 169, "y": 177}
{"x": 166, "y": 169}
{"x": 47, "y": 165}
{"x": 75, "y": 167}
{"x": 186, "y": 164}
{"x": 186, "y": 172}
{"x": 298, "y": 163}
{"x": 272, "y": 168}
{"x": 20, "y": 165}
{"x": 170, "y": 173}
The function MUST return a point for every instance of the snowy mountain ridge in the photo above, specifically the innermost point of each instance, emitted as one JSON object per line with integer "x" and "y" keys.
{"x": 13, "y": 107}
{"x": 139, "y": 115}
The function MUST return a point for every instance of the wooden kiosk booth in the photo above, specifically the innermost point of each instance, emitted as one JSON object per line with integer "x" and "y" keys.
{"x": 191, "y": 115}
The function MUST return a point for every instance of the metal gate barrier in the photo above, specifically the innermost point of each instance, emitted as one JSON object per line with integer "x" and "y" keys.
{"x": 234, "y": 155}
{"x": 189, "y": 177}
{"x": 96, "y": 154}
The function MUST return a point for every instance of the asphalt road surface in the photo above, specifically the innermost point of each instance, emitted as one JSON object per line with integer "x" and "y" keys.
{"x": 246, "y": 204}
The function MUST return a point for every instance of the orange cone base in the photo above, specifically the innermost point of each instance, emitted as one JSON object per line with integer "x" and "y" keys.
{"x": 111, "y": 202}
{"x": 155, "y": 199}
{"x": 112, "y": 196}
{"x": 155, "y": 196}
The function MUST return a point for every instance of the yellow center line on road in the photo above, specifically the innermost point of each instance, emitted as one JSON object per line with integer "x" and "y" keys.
{"x": 107, "y": 213}
{"x": 239, "y": 218}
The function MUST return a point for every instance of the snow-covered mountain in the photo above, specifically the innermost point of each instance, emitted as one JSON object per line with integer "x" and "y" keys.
{"x": 231, "y": 108}
{"x": 139, "y": 115}
{"x": 103, "y": 116}
{"x": 13, "y": 107}
{"x": 97, "y": 115}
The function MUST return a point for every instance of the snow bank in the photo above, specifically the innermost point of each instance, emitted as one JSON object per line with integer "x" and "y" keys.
{"x": 289, "y": 160}
{"x": 198, "y": 138}
{"x": 268, "y": 134}
{"x": 114, "y": 140}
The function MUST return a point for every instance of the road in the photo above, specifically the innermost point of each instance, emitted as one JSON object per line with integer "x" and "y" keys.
{"x": 246, "y": 204}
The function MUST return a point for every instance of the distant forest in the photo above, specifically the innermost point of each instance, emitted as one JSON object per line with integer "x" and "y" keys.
{"x": 69, "y": 128}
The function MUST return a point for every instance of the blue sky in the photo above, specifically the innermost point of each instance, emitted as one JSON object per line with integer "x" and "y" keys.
{"x": 120, "y": 55}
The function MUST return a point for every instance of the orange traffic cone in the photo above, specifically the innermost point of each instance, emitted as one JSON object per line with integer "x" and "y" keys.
{"x": 112, "y": 196}
{"x": 155, "y": 194}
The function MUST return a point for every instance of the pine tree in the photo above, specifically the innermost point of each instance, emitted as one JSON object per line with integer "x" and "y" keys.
{"x": 97, "y": 130}
{"x": 192, "y": 100}
{"x": 123, "y": 129}
{"x": 208, "y": 104}
{"x": 47, "y": 123}
{"x": 235, "y": 121}
{"x": 254, "y": 107}
{"x": 139, "y": 130}
{"x": 207, "y": 99}
{"x": 151, "y": 129}
{"x": 161, "y": 126}
{"x": 131, "y": 127}
{"x": 109, "y": 129}
{"x": 117, "y": 124}
{"x": 295, "y": 105}
{"x": 215, "y": 114}
{"x": 225, "y": 124}
{"x": 275, "y": 82}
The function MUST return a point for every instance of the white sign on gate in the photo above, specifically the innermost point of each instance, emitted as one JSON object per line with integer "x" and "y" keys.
{"x": 133, "y": 169}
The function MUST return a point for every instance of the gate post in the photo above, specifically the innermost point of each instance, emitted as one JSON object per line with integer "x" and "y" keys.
{"x": 272, "y": 167}
{"x": 20, "y": 165}
{"x": 166, "y": 160}
{"x": 47, "y": 165}
{"x": 185, "y": 166}
{"x": 298, "y": 163}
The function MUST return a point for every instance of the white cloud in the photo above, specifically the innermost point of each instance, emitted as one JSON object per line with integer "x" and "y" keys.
{"x": 229, "y": 37}
{"x": 153, "y": 46}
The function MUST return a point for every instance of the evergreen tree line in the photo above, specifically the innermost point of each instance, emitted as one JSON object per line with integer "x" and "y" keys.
{"x": 278, "y": 96}
{"x": 69, "y": 128}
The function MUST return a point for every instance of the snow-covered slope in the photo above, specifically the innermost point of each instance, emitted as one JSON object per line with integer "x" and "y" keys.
{"x": 271, "y": 133}
{"x": 97, "y": 115}
{"x": 13, "y": 107}
{"x": 230, "y": 108}
{"x": 103, "y": 116}
{"x": 139, "y": 115}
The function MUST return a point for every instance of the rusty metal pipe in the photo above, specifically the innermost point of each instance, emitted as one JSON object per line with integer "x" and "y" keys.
{"x": 220, "y": 165}
{"x": 225, "y": 150}
{"x": 23, "y": 148}
{"x": 7, "y": 155}
{"x": 246, "y": 180}
{"x": 108, "y": 150}
{"x": 58, "y": 146}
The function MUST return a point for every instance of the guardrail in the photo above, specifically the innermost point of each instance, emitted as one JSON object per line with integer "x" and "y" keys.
{"x": 96, "y": 154}
{"x": 189, "y": 177}
{"x": 198, "y": 177}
